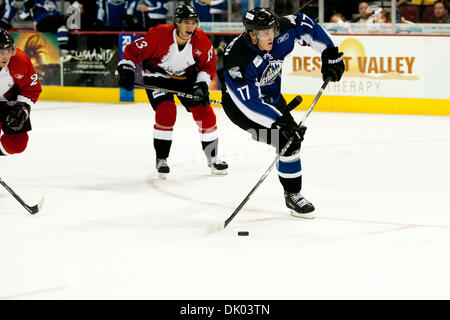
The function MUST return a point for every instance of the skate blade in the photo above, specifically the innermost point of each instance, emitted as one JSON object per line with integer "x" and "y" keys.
{"x": 308, "y": 215}
{"x": 219, "y": 172}
{"x": 162, "y": 175}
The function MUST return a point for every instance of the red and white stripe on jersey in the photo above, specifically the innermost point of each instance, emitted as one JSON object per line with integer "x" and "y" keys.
{"x": 19, "y": 81}
{"x": 159, "y": 49}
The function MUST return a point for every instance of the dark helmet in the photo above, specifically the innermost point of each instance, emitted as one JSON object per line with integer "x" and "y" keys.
{"x": 185, "y": 11}
{"x": 260, "y": 19}
{"x": 6, "y": 41}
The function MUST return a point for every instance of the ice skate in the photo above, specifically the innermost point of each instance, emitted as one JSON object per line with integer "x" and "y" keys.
{"x": 217, "y": 166}
{"x": 299, "y": 206}
{"x": 163, "y": 168}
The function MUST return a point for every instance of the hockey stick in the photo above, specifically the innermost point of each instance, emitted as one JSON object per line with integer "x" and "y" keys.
{"x": 33, "y": 210}
{"x": 305, "y": 5}
{"x": 178, "y": 93}
{"x": 223, "y": 225}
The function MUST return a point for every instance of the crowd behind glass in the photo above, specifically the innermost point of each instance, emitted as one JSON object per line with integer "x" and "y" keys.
{"x": 139, "y": 15}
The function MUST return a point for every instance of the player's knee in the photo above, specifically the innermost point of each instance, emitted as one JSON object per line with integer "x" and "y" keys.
{"x": 166, "y": 114}
{"x": 204, "y": 117}
{"x": 14, "y": 143}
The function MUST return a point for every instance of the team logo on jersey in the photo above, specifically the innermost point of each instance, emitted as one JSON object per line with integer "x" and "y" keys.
{"x": 271, "y": 72}
{"x": 268, "y": 56}
{"x": 197, "y": 52}
{"x": 283, "y": 38}
{"x": 18, "y": 76}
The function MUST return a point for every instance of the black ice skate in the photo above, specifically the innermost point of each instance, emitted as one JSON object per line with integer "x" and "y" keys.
{"x": 299, "y": 206}
{"x": 163, "y": 168}
{"x": 217, "y": 166}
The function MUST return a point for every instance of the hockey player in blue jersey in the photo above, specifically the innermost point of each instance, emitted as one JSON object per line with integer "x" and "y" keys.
{"x": 251, "y": 90}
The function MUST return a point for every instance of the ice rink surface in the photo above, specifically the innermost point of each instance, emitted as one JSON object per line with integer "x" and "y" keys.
{"x": 110, "y": 229}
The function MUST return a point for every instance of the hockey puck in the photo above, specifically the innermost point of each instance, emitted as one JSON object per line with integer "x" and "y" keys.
{"x": 243, "y": 233}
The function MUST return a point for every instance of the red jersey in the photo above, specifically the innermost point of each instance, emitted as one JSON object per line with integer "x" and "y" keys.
{"x": 159, "y": 52}
{"x": 19, "y": 81}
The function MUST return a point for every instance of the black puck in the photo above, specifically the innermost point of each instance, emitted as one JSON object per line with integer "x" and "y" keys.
{"x": 243, "y": 233}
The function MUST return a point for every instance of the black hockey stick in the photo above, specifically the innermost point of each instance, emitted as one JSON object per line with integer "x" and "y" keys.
{"x": 178, "y": 93}
{"x": 33, "y": 210}
{"x": 305, "y": 5}
{"x": 223, "y": 225}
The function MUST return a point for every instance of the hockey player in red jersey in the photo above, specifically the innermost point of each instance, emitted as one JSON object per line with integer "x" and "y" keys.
{"x": 19, "y": 91}
{"x": 178, "y": 57}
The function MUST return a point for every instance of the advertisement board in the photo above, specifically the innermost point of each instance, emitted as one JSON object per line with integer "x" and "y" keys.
{"x": 43, "y": 50}
{"x": 376, "y": 66}
{"x": 91, "y": 60}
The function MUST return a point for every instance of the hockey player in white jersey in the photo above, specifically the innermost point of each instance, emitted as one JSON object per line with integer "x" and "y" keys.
{"x": 251, "y": 90}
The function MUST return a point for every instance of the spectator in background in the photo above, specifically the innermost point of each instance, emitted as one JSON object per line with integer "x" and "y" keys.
{"x": 415, "y": 2}
{"x": 149, "y": 13}
{"x": 88, "y": 15}
{"x": 47, "y": 18}
{"x": 8, "y": 11}
{"x": 337, "y": 18}
{"x": 384, "y": 17}
{"x": 218, "y": 9}
{"x": 111, "y": 14}
{"x": 283, "y": 8}
{"x": 203, "y": 9}
{"x": 364, "y": 13}
{"x": 242, "y": 6}
{"x": 423, "y": 5}
{"x": 441, "y": 12}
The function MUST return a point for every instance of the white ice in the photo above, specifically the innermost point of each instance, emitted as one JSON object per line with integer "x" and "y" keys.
{"x": 111, "y": 230}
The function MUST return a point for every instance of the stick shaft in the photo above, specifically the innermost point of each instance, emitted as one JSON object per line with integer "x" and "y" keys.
{"x": 283, "y": 151}
{"x": 31, "y": 210}
{"x": 178, "y": 93}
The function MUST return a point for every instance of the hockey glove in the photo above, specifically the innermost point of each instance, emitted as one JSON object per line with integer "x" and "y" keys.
{"x": 332, "y": 64}
{"x": 126, "y": 76}
{"x": 289, "y": 128}
{"x": 18, "y": 115}
{"x": 201, "y": 93}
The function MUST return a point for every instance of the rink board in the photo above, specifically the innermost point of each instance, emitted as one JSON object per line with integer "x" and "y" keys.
{"x": 326, "y": 103}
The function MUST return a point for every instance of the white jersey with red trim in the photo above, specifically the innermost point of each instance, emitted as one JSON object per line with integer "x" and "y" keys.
{"x": 161, "y": 57}
{"x": 19, "y": 81}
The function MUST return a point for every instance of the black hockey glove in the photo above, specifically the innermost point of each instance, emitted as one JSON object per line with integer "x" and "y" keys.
{"x": 126, "y": 76}
{"x": 289, "y": 128}
{"x": 332, "y": 64}
{"x": 201, "y": 93}
{"x": 17, "y": 116}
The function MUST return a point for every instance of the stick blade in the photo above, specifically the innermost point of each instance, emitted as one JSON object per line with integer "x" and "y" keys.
{"x": 35, "y": 209}
{"x": 215, "y": 228}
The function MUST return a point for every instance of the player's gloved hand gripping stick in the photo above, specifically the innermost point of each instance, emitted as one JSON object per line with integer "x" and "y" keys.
{"x": 218, "y": 227}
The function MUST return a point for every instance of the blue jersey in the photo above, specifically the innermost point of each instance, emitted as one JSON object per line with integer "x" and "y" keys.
{"x": 253, "y": 77}
{"x": 111, "y": 12}
{"x": 8, "y": 11}
{"x": 244, "y": 6}
{"x": 157, "y": 9}
{"x": 41, "y": 9}
{"x": 203, "y": 10}
{"x": 219, "y": 6}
